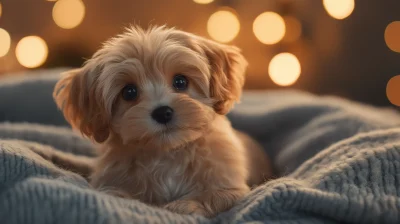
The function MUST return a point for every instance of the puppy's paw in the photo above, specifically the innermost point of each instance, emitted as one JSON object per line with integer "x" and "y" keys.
{"x": 115, "y": 192}
{"x": 187, "y": 207}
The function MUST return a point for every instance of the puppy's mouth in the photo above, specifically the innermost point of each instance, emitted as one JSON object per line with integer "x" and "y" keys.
{"x": 172, "y": 128}
{"x": 166, "y": 129}
{"x": 177, "y": 130}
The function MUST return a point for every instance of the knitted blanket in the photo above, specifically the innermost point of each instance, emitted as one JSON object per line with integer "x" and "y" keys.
{"x": 337, "y": 162}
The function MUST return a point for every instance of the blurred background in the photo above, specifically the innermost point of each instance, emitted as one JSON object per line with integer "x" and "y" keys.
{"x": 348, "y": 48}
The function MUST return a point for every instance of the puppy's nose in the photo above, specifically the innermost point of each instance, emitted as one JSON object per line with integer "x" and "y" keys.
{"x": 162, "y": 114}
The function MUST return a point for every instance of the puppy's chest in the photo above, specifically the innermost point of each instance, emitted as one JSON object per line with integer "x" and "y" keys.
{"x": 166, "y": 179}
{"x": 160, "y": 179}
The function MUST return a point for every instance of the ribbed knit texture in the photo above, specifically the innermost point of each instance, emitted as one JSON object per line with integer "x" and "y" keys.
{"x": 339, "y": 162}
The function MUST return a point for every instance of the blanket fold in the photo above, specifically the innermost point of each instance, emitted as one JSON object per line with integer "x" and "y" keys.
{"x": 338, "y": 161}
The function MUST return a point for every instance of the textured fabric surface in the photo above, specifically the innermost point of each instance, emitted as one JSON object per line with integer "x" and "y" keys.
{"x": 339, "y": 162}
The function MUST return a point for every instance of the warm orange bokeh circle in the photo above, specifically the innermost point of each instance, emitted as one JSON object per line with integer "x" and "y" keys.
{"x": 393, "y": 90}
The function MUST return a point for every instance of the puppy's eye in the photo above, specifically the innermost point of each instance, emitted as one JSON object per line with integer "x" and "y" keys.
{"x": 130, "y": 92}
{"x": 180, "y": 82}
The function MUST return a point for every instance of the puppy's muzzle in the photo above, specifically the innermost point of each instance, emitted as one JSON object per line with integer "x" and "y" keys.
{"x": 163, "y": 114}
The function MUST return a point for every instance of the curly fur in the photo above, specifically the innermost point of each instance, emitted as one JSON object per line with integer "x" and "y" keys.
{"x": 197, "y": 163}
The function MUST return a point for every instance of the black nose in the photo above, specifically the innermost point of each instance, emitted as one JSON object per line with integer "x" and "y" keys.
{"x": 162, "y": 114}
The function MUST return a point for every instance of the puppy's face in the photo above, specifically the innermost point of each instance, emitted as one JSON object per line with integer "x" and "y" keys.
{"x": 161, "y": 87}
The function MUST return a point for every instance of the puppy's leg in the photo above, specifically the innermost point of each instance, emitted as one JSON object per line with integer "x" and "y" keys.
{"x": 187, "y": 207}
{"x": 81, "y": 165}
{"x": 260, "y": 166}
{"x": 209, "y": 204}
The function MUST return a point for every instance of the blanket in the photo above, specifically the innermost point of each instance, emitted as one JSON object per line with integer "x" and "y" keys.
{"x": 337, "y": 161}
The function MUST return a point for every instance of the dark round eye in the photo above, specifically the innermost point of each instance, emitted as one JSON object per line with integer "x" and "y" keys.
{"x": 130, "y": 92}
{"x": 180, "y": 82}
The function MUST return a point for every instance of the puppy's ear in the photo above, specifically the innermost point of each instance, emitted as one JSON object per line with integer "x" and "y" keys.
{"x": 228, "y": 67}
{"x": 77, "y": 95}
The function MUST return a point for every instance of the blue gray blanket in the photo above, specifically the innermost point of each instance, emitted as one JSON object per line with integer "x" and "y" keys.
{"x": 338, "y": 162}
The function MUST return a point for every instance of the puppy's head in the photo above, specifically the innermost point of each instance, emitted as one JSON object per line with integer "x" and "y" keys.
{"x": 160, "y": 86}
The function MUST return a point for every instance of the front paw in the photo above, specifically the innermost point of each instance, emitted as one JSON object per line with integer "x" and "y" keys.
{"x": 187, "y": 207}
{"x": 115, "y": 192}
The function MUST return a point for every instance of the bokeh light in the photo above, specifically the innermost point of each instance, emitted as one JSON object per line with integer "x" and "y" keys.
{"x": 5, "y": 42}
{"x": 1, "y": 9}
{"x": 392, "y": 36}
{"x": 203, "y": 1}
{"x": 293, "y": 29}
{"x": 269, "y": 28}
{"x": 223, "y": 26}
{"x": 393, "y": 90}
{"x": 339, "y": 9}
{"x": 68, "y": 14}
{"x": 284, "y": 69}
{"x": 31, "y": 51}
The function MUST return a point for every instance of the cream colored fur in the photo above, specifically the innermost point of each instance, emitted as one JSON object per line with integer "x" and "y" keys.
{"x": 197, "y": 163}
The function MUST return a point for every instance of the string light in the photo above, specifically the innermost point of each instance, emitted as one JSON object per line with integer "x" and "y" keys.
{"x": 392, "y": 36}
{"x": 68, "y": 14}
{"x": 203, "y": 1}
{"x": 223, "y": 26}
{"x": 5, "y": 42}
{"x": 339, "y": 9}
{"x": 393, "y": 90}
{"x": 269, "y": 28}
{"x": 31, "y": 51}
{"x": 293, "y": 29}
{"x": 284, "y": 69}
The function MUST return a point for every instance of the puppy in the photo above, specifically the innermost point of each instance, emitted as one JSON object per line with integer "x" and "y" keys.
{"x": 155, "y": 102}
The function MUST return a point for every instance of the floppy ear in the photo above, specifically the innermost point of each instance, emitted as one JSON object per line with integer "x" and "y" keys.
{"x": 77, "y": 95}
{"x": 228, "y": 67}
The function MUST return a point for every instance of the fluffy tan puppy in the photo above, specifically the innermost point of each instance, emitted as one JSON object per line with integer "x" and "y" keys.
{"x": 155, "y": 102}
